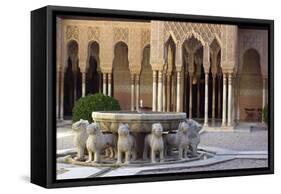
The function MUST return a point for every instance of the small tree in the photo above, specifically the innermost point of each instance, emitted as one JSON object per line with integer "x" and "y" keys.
{"x": 265, "y": 114}
{"x": 84, "y": 107}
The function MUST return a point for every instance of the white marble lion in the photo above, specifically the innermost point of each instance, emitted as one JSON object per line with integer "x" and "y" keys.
{"x": 126, "y": 144}
{"x": 97, "y": 142}
{"x": 80, "y": 138}
{"x": 154, "y": 142}
{"x": 193, "y": 135}
{"x": 178, "y": 140}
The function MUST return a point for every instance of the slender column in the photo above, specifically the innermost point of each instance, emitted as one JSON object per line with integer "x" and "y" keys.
{"x": 160, "y": 92}
{"x": 264, "y": 101}
{"x": 206, "y": 99}
{"x": 137, "y": 81}
{"x": 178, "y": 90}
{"x": 219, "y": 96}
{"x": 263, "y": 92}
{"x": 229, "y": 114}
{"x": 214, "y": 98}
{"x": 154, "y": 92}
{"x": 132, "y": 92}
{"x": 75, "y": 86}
{"x": 164, "y": 93}
{"x": 224, "y": 100}
{"x": 168, "y": 92}
{"x": 198, "y": 97}
{"x": 58, "y": 95}
{"x": 104, "y": 83}
{"x": 83, "y": 83}
{"x": 238, "y": 99}
{"x": 61, "y": 95}
{"x": 100, "y": 82}
{"x": 190, "y": 95}
{"x": 173, "y": 93}
{"x": 109, "y": 78}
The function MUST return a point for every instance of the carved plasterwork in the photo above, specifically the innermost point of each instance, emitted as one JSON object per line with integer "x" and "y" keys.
{"x": 93, "y": 34}
{"x": 203, "y": 32}
{"x": 72, "y": 32}
{"x": 120, "y": 34}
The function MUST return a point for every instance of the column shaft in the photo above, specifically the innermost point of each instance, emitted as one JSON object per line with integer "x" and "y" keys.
{"x": 137, "y": 92}
{"x": 61, "y": 95}
{"x": 168, "y": 92}
{"x": 198, "y": 97}
{"x": 238, "y": 99}
{"x": 83, "y": 83}
{"x": 132, "y": 92}
{"x": 206, "y": 99}
{"x": 109, "y": 77}
{"x": 178, "y": 90}
{"x": 164, "y": 93}
{"x": 224, "y": 100}
{"x": 104, "y": 83}
{"x": 160, "y": 92}
{"x": 214, "y": 98}
{"x": 190, "y": 95}
{"x": 154, "y": 92}
{"x": 229, "y": 113}
{"x": 219, "y": 96}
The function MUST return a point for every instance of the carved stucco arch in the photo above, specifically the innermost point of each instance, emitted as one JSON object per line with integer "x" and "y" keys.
{"x": 67, "y": 54}
{"x": 244, "y": 51}
{"x": 93, "y": 41}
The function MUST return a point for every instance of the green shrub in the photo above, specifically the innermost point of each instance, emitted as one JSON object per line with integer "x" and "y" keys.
{"x": 84, "y": 107}
{"x": 265, "y": 114}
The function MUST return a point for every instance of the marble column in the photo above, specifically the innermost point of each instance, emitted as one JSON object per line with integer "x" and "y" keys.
{"x": 219, "y": 96}
{"x": 100, "y": 82}
{"x": 206, "y": 99}
{"x": 264, "y": 92}
{"x": 178, "y": 91}
{"x": 198, "y": 97}
{"x": 224, "y": 100}
{"x": 214, "y": 98}
{"x": 238, "y": 98}
{"x": 154, "y": 91}
{"x": 109, "y": 78}
{"x": 190, "y": 95}
{"x": 74, "y": 86}
{"x": 132, "y": 92}
{"x": 137, "y": 82}
{"x": 104, "y": 83}
{"x": 164, "y": 93}
{"x": 61, "y": 95}
{"x": 168, "y": 92}
{"x": 83, "y": 83}
{"x": 173, "y": 91}
{"x": 160, "y": 91}
{"x": 229, "y": 113}
{"x": 57, "y": 95}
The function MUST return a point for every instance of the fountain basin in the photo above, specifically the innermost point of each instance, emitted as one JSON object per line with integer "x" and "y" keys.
{"x": 139, "y": 122}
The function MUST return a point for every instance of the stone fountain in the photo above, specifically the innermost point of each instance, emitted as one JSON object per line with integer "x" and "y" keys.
{"x": 140, "y": 123}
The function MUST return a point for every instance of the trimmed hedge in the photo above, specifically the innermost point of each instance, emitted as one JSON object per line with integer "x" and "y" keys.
{"x": 265, "y": 114}
{"x": 84, "y": 107}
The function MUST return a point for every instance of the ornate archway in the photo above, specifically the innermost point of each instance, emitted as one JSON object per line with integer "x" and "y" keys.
{"x": 121, "y": 75}
{"x": 93, "y": 75}
{"x": 72, "y": 78}
{"x": 251, "y": 86}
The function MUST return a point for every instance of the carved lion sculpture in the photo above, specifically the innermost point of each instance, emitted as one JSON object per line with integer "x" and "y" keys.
{"x": 98, "y": 142}
{"x": 80, "y": 138}
{"x": 126, "y": 144}
{"x": 155, "y": 143}
{"x": 193, "y": 135}
{"x": 179, "y": 140}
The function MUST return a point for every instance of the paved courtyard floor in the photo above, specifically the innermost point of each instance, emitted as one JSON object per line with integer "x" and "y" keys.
{"x": 244, "y": 147}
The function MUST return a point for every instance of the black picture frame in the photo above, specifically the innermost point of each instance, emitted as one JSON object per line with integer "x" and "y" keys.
{"x": 43, "y": 100}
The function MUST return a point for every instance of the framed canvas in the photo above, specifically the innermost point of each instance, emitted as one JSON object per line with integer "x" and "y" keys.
{"x": 126, "y": 96}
